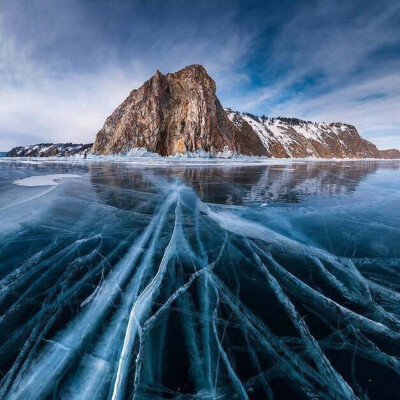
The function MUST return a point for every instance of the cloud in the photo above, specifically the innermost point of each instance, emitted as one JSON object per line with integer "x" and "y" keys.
{"x": 61, "y": 110}
{"x": 335, "y": 61}
{"x": 373, "y": 115}
{"x": 65, "y": 66}
{"x": 64, "y": 69}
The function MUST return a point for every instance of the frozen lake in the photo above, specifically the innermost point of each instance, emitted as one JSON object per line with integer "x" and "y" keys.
{"x": 199, "y": 280}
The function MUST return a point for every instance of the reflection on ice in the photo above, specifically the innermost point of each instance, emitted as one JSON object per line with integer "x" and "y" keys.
{"x": 174, "y": 283}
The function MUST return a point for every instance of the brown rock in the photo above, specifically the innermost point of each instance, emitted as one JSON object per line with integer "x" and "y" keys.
{"x": 292, "y": 137}
{"x": 175, "y": 114}
{"x": 390, "y": 154}
{"x": 179, "y": 113}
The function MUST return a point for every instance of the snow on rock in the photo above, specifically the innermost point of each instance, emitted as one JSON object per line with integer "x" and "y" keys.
{"x": 51, "y": 150}
{"x": 295, "y": 138}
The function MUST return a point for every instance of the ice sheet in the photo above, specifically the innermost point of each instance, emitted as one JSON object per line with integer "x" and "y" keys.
{"x": 176, "y": 281}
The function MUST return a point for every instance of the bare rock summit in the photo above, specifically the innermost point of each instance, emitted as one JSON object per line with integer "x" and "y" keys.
{"x": 175, "y": 114}
{"x": 179, "y": 113}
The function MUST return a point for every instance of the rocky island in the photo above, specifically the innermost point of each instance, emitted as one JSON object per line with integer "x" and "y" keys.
{"x": 180, "y": 114}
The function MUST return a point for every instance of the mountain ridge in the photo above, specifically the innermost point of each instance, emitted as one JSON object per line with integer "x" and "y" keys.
{"x": 179, "y": 113}
{"x": 50, "y": 150}
{"x": 296, "y": 138}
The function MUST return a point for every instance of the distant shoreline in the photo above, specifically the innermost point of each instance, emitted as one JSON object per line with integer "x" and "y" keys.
{"x": 159, "y": 160}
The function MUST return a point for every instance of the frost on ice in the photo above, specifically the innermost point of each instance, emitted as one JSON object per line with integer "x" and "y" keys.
{"x": 143, "y": 285}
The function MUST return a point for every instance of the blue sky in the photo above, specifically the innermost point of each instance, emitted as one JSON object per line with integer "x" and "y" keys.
{"x": 65, "y": 65}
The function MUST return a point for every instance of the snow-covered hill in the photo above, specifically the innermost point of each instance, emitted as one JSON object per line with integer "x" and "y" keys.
{"x": 295, "y": 138}
{"x": 50, "y": 150}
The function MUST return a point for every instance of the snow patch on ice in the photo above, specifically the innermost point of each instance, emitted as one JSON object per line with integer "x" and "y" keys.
{"x": 44, "y": 180}
{"x": 31, "y": 162}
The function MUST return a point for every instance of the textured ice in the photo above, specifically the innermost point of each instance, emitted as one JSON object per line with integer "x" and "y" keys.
{"x": 200, "y": 281}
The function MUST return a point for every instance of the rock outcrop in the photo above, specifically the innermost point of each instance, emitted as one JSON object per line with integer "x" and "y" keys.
{"x": 175, "y": 114}
{"x": 180, "y": 114}
{"x": 390, "y": 154}
{"x": 50, "y": 150}
{"x": 295, "y": 138}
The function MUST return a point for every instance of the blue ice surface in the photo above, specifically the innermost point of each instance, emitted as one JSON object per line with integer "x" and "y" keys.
{"x": 200, "y": 280}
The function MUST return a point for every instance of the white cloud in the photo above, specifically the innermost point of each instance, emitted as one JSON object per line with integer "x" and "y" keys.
{"x": 55, "y": 97}
{"x": 42, "y": 101}
{"x": 338, "y": 45}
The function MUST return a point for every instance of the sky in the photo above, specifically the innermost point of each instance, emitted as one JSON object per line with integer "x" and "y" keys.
{"x": 65, "y": 65}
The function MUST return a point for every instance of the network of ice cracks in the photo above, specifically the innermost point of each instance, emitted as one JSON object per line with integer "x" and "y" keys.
{"x": 202, "y": 304}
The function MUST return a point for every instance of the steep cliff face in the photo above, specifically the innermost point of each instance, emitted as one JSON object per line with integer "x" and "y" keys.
{"x": 179, "y": 113}
{"x": 175, "y": 114}
{"x": 291, "y": 137}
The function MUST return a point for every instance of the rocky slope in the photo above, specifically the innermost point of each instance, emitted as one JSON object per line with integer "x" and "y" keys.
{"x": 50, "y": 150}
{"x": 391, "y": 153}
{"x": 175, "y": 114}
{"x": 291, "y": 137}
{"x": 179, "y": 113}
